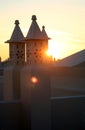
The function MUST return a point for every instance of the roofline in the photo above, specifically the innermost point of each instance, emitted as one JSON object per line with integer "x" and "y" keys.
{"x": 8, "y": 41}
{"x": 37, "y": 39}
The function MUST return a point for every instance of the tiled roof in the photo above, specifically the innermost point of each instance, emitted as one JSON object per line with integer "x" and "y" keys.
{"x": 17, "y": 35}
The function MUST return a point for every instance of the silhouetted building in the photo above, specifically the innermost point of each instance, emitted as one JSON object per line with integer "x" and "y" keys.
{"x": 29, "y": 81}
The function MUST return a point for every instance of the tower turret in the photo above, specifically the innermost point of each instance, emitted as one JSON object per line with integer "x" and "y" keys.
{"x": 36, "y": 44}
{"x": 17, "y": 46}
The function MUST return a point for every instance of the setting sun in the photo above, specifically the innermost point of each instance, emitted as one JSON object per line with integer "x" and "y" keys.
{"x": 54, "y": 50}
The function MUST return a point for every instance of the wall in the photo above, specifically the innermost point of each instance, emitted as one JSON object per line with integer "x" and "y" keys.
{"x": 36, "y": 97}
{"x": 68, "y": 113}
{"x": 39, "y": 110}
{"x": 12, "y": 116}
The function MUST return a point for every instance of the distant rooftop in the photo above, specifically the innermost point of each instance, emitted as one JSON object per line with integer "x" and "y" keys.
{"x": 81, "y": 64}
{"x": 72, "y": 60}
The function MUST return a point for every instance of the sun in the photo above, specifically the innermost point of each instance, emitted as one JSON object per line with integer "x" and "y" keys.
{"x": 54, "y": 50}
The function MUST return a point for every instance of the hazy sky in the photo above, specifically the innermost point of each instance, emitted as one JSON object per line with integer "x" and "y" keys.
{"x": 64, "y": 21}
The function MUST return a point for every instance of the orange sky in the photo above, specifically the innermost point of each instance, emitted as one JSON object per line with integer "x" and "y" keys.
{"x": 64, "y": 21}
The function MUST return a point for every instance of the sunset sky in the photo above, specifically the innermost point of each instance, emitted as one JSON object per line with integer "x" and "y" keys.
{"x": 64, "y": 21}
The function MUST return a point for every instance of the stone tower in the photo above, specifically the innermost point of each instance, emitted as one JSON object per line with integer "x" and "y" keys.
{"x": 17, "y": 46}
{"x": 17, "y": 59}
{"x": 36, "y": 44}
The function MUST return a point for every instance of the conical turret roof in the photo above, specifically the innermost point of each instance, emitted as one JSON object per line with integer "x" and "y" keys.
{"x": 44, "y": 34}
{"x": 34, "y": 30}
{"x": 17, "y": 35}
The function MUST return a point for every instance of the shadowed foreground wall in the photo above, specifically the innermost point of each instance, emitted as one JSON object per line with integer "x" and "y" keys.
{"x": 68, "y": 113}
{"x": 36, "y": 97}
{"x": 12, "y": 116}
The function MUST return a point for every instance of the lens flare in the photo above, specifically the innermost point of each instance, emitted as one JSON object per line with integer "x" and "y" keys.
{"x": 34, "y": 80}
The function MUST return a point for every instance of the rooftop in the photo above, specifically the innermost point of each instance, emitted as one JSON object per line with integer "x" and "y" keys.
{"x": 17, "y": 35}
{"x": 72, "y": 60}
{"x": 35, "y": 32}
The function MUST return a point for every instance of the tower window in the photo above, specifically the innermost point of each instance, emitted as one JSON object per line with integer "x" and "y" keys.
{"x": 36, "y": 49}
{"x": 35, "y": 44}
{"x": 36, "y": 56}
{"x": 35, "y": 61}
{"x": 34, "y": 53}
{"x": 17, "y": 46}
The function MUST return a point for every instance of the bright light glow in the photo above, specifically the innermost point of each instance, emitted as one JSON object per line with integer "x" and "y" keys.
{"x": 55, "y": 50}
{"x": 48, "y": 53}
{"x": 34, "y": 80}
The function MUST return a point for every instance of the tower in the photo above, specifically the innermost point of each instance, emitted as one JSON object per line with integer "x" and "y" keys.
{"x": 36, "y": 44}
{"x": 17, "y": 59}
{"x": 36, "y": 95}
{"x": 17, "y": 46}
